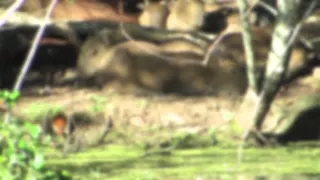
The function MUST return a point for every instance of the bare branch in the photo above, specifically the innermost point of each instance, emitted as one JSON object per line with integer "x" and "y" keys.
{"x": 13, "y": 8}
{"x": 247, "y": 43}
{"x": 34, "y": 47}
{"x": 211, "y": 49}
{"x": 28, "y": 61}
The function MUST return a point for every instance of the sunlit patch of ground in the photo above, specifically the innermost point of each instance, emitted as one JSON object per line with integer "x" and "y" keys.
{"x": 193, "y": 114}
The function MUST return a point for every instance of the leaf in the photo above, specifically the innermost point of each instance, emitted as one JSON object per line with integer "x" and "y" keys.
{"x": 5, "y": 94}
{"x": 33, "y": 130}
{"x": 65, "y": 174}
{"x": 23, "y": 144}
{"x": 38, "y": 162}
{"x": 50, "y": 173}
{"x": 13, "y": 96}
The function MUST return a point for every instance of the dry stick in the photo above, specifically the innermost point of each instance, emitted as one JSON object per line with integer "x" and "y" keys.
{"x": 213, "y": 46}
{"x": 13, "y": 8}
{"x": 31, "y": 53}
{"x": 250, "y": 61}
{"x": 309, "y": 10}
{"x": 247, "y": 43}
{"x": 34, "y": 47}
{"x": 250, "y": 9}
{"x": 211, "y": 49}
{"x": 3, "y": 20}
{"x": 268, "y": 7}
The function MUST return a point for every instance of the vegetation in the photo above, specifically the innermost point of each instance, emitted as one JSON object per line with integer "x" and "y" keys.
{"x": 20, "y": 146}
{"x": 164, "y": 144}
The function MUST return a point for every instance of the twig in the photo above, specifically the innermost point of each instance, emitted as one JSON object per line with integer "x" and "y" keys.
{"x": 269, "y": 8}
{"x": 213, "y": 45}
{"x": 13, "y": 8}
{"x": 34, "y": 46}
{"x": 211, "y": 49}
{"x": 31, "y": 53}
{"x": 247, "y": 44}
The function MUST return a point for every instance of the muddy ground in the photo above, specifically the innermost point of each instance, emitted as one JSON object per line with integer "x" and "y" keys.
{"x": 142, "y": 116}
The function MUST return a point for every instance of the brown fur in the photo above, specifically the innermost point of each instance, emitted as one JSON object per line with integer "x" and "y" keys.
{"x": 34, "y": 7}
{"x": 231, "y": 49}
{"x": 311, "y": 30}
{"x": 79, "y": 10}
{"x": 186, "y": 15}
{"x": 154, "y": 15}
{"x": 181, "y": 46}
{"x": 99, "y": 47}
{"x": 131, "y": 64}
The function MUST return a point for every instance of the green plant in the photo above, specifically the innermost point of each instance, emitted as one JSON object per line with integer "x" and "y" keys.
{"x": 20, "y": 143}
{"x": 99, "y": 103}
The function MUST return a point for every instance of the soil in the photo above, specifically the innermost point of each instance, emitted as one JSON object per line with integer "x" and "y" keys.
{"x": 195, "y": 114}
